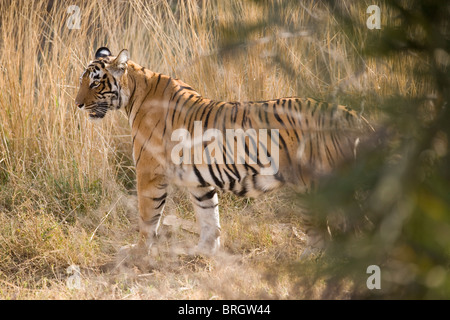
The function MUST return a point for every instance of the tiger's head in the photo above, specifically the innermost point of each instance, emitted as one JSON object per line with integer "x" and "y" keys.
{"x": 103, "y": 85}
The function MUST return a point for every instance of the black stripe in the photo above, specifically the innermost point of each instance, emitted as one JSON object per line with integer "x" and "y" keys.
{"x": 216, "y": 180}
{"x": 289, "y": 114}
{"x": 253, "y": 157}
{"x": 235, "y": 112}
{"x": 277, "y": 116}
{"x": 266, "y": 112}
{"x": 242, "y": 192}
{"x": 314, "y": 108}
{"x": 244, "y": 114}
{"x": 193, "y": 116}
{"x": 187, "y": 88}
{"x": 236, "y": 172}
{"x": 157, "y": 83}
{"x": 167, "y": 113}
{"x": 329, "y": 156}
{"x": 207, "y": 196}
{"x": 188, "y": 112}
{"x": 143, "y": 146}
{"x": 210, "y": 107}
{"x": 169, "y": 80}
{"x": 207, "y": 207}
{"x": 160, "y": 198}
{"x": 161, "y": 204}
{"x": 216, "y": 117}
{"x": 131, "y": 99}
{"x": 145, "y": 98}
{"x": 204, "y": 110}
{"x": 231, "y": 179}
{"x": 153, "y": 220}
{"x": 220, "y": 175}
{"x": 176, "y": 106}
{"x": 199, "y": 177}
{"x": 176, "y": 92}
{"x": 310, "y": 150}
{"x": 139, "y": 125}
{"x": 285, "y": 148}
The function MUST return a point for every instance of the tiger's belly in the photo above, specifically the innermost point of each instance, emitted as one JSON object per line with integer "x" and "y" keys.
{"x": 242, "y": 181}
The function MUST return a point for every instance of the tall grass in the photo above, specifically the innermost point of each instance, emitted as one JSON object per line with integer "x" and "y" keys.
{"x": 62, "y": 177}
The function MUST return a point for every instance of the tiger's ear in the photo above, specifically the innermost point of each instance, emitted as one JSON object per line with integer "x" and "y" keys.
{"x": 119, "y": 64}
{"x": 122, "y": 58}
{"x": 102, "y": 52}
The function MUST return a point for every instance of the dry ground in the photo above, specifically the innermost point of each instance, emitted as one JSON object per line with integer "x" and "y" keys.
{"x": 261, "y": 244}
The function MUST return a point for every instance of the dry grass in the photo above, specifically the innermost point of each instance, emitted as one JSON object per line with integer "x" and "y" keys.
{"x": 67, "y": 185}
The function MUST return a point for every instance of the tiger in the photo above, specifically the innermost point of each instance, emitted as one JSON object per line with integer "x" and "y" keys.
{"x": 181, "y": 138}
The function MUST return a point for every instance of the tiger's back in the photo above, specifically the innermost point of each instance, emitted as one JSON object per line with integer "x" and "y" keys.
{"x": 313, "y": 137}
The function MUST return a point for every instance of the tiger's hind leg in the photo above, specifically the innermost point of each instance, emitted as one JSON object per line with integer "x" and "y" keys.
{"x": 316, "y": 237}
{"x": 316, "y": 240}
{"x": 206, "y": 206}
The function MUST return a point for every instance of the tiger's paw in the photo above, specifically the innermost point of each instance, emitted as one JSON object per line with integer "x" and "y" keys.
{"x": 208, "y": 249}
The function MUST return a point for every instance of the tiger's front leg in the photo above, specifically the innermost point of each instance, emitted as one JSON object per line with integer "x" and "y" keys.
{"x": 152, "y": 193}
{"x": 206, "y": 205}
